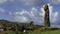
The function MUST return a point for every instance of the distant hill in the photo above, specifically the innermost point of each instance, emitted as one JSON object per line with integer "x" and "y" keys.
{"x": 10, "y": 22}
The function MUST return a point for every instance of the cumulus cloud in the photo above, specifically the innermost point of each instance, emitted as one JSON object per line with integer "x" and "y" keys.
{"x": 35, "y": 15}
{"x": 2, "y": 10}
{"x": 11, "y": 0}
{"x": 26, "y": 3}
{"x": 30, "y": 2}
{"x": 21, "y": 19}
{"x": 33, "y": 2}
{"x": 55, "y": 2}
{"x": 26, "y": 16}
{"x": 3, "y": 1}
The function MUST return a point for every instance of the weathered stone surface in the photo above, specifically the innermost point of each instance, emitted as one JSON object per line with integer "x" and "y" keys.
{"x": 46, "y": 16}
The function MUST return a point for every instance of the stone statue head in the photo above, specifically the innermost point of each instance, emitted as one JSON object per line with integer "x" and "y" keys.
{"x": 46, "y": 7}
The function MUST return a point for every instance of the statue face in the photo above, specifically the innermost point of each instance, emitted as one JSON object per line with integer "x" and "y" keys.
{"x": 46, "y": 7}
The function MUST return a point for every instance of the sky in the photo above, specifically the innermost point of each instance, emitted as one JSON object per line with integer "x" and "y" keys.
{"x": 29, "y": 10}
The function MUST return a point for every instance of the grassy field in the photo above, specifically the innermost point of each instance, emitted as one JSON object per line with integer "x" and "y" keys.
{"x": 47, "y": 32}
{"x": 37, "y": 32}
{"x": 51, "y": 32}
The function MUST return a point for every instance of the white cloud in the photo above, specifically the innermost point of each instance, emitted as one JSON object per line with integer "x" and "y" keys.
{"x": 32, "y": 2}
{"x": 3, "y": 1}
{"x": 20, "y": 16}
{"x": 25, "y": 16}
{"x": 2, "y": 10}
{"x": 35, "y": 15}
{"x": 30, "y": 13}
{"x": 11, "y": 0}
{"x": 42, "y": 14}
{"x": 55, "y": 17}
{"x": 21, "y": 19}
{"x": 28, "y": 2}
{"x": 55, "y": 2}
{"x": 24, "y": 12}
{"x": 9, "y": 13}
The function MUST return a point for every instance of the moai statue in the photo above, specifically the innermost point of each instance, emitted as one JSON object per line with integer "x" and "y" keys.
{"x": 46, "y": 16}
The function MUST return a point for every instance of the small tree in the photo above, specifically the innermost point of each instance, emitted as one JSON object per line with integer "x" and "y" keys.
{"x": 31, "y": 23}
{"x": 16, "y": 27}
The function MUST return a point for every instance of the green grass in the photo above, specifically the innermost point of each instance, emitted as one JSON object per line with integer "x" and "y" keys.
{"x": 10, "y": 32}
{"x": 43, "y": 31}
{"x": 47, "y": 32}
{"x": 36, "y": 32}
{"x": 51, "y": 32}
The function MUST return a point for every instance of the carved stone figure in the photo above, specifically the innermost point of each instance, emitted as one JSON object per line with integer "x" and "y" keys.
{"x": 46, "y": 16}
